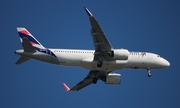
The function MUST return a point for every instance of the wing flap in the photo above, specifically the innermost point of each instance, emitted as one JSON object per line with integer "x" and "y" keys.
{"x": 82, "y": 84}
{"x": 101, "y": 42}
{"x": 99, "y": 36}
{"x": 85, "y": 82}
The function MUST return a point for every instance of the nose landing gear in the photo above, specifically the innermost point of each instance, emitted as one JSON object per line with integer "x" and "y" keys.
{"x": 149, "y": 72}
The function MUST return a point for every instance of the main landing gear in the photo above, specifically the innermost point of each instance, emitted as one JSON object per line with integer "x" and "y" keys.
{"x": 99, "y": 64}
{"x": 94, "y": 81}
{"x": 149, "y": 72}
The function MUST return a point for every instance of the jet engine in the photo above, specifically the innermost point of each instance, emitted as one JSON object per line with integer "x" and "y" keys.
{"x": 111, "y": 78}
{"x": 120, "y": 54}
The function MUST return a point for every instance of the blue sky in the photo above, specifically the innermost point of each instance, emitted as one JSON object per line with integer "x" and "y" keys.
{"x": 141, "y": 25}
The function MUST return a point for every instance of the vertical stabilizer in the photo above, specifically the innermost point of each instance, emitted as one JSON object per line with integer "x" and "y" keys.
{"x": 23, "y": 33}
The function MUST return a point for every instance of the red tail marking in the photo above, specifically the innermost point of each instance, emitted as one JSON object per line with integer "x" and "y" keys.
{"x": 24, "y": 32}
{"x": 66, "y": 87}
{"x": 32, "y": 43}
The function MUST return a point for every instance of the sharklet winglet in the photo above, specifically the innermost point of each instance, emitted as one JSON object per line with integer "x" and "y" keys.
{"x": 88, "y": 12}
{"x": 66, "y": 87}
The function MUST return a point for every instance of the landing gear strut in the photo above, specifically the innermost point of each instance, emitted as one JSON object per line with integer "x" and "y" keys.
{"x": 99, "y": 64}
{"x": 149, "y": 72}
{"x": 94, "y": 81}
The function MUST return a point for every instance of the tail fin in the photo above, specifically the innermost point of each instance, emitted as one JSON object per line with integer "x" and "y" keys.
{"x": 30, "y": 44}
{"x": 23, "y": 33}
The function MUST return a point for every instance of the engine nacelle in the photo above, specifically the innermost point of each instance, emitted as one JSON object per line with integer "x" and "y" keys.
{"x": 120, "y": 54}
{"x": 113, "y": 78}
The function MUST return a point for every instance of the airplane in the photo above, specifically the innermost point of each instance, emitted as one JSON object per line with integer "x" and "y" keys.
{"x": 101, "y": 62}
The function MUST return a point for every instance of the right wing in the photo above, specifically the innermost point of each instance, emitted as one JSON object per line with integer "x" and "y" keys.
{"x": 85, "y": 82}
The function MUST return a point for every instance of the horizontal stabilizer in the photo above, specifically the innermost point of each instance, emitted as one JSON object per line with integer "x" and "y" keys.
{"x": 22, "y": 60}
{"x": 27, "y": 45}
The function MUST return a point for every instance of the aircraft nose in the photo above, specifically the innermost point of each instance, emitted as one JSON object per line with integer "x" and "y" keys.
{"x": 165, "y": 63}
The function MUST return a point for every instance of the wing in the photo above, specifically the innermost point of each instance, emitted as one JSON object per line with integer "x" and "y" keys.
{"x": 101, "y": 43}
{"x": 85, "y": 82}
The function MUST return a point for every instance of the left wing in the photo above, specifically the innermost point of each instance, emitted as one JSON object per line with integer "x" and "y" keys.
{"x": 101, "y": 43}
{"x": 85, "y": 82}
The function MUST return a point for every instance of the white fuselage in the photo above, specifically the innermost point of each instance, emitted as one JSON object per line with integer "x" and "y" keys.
{"x": 84, "y": 59}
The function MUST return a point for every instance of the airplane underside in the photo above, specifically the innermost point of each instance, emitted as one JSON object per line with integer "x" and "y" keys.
{"x": 101, "y": 61}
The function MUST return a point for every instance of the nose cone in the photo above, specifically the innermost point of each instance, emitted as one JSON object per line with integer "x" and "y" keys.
{"x": 165, "y": 63}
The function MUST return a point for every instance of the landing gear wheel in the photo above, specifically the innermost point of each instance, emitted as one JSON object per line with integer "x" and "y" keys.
{"x": 94, "y": 81}
{"x": 149, "y": 72}
{"x": 149, "y": 75}
{"x": 99, "y": 64}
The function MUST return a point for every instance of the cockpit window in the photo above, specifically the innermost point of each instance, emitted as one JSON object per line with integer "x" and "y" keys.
{"x": 158, "y": 55}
